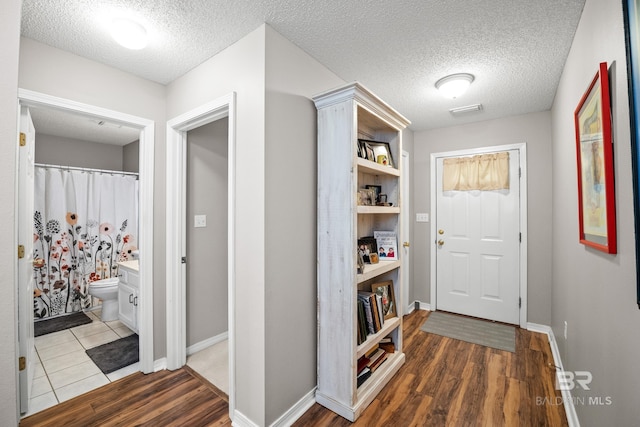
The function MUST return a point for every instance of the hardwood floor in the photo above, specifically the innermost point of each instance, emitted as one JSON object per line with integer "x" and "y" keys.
{"x": 444, "y": 382}
{"x": 165, "y": 398}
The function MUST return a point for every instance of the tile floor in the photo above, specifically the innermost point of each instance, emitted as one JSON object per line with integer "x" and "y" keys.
{"x": 213, "y": 364}
{"x": 63, "y": 369}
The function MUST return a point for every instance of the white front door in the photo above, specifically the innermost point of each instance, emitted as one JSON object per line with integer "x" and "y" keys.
{"x": 477, "y": 249}
{"x": 26, "y": 345}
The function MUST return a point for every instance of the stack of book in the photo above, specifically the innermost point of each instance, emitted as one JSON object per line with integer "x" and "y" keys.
{"x": 371, "y": 361}
{"x": 370, "y": 315}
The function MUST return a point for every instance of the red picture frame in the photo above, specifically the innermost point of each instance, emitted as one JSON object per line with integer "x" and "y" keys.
{"x": 594, "y": 152}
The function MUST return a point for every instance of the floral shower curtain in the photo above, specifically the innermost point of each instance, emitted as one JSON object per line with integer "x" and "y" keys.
{"x": 84, "y": 223}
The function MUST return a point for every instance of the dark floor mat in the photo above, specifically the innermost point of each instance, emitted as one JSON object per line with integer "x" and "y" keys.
{"x": 116, "y": 354}
{"x": 43, "y": 327}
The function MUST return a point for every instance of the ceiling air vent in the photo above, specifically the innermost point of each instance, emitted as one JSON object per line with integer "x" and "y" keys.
{"x": 466, "y": 109}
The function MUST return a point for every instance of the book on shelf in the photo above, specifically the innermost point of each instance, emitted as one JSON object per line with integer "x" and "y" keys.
{"x": 362, "y": 324}
{"x": 366, "y": 302}
{"x": 363, "y": 362}
{"x": 371, "y": 351}
{"x": 375, "y": 358}
{"x": 378, "y": 362}
{"x": 363, "y": 376}
{"x": 387, "y": 242}
{"x": 387, "y": 345}
{"x": 371, "y": 310}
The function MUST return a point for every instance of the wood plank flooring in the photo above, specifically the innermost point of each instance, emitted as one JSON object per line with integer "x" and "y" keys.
{"x": 445, "y": 382}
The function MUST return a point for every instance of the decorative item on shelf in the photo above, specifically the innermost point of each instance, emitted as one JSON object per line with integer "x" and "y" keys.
{"x": 382, "y": 201}
{"x": 367, "y": 246}
{"x": 385, "y": 290}
{"x": 387, "y": 242}
{"x": 366, "y": 197}
{"x": 377, "y": 189}
{"x": 378, "y": 151}
{"x": 373, "y": 258}
{"x": 360, "y": 268}
{"x": 596, "y": 193}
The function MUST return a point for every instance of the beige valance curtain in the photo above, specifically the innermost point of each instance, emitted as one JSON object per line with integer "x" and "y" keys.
{"x": 482, "y": 172}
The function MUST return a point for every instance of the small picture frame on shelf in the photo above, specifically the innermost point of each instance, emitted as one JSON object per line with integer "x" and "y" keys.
{"x": 380, "y": 152}
{"x": 385, "y": 290}
{"x": 360, "y": 268}
{"x": 366, "y": 247}
{"x": 366, "y": 197}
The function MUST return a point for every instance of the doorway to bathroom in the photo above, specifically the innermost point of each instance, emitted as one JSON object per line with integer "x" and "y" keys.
{"x": 80, "y": 157}
{"x": 200, "y": 243}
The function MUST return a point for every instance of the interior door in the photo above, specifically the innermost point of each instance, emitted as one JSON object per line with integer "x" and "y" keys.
{"x": 477, "y": 249}
{"x": 25, "y": 256}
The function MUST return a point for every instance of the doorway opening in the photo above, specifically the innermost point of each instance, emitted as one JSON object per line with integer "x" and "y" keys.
{"x": 452, "y": 250}
{"x": 184, "y": 232}
{"x": 62, "y": 110}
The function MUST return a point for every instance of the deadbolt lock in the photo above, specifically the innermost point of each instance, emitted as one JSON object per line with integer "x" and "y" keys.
{"x": 441, "y": 231}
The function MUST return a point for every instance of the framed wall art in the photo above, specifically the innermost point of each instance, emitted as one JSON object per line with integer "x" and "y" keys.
{"x": 632, "y": 37}
{"x": 594, "y": 152}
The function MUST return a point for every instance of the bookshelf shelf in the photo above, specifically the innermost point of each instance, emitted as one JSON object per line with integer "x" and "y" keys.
{"x": 389, "y": 325}
{"x": 374, "y": 270}
{"x": 345, "y": 115}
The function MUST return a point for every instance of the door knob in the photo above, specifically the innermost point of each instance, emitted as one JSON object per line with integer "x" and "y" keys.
{"x": 440, "y": 242}
{"x": 406, "y": 244}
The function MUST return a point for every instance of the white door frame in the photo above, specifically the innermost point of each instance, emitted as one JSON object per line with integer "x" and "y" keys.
{"x": 177, "y": 129}
{"x": 522, "y": 148}
{"x": 145, "y": 241}
{"x": 407, "y": 306}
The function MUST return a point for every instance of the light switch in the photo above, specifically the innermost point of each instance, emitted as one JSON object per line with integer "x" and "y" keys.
{"x": 199, "y": 221}
{"x": 422, "y": 217}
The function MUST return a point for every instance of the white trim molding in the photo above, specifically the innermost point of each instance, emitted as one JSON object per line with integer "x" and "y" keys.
{"x": 522, "y": 149}
{"x": 199, "y": 346}
{"x": 567, "y": 399}
{"x": 296, "y": 411}
{"x": 177, "y": 129}
{"x": 145, "y": 220}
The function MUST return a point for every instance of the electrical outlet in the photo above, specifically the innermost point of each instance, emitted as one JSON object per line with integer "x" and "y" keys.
{"x": 566, "y": 327}
{"x": 199, "y": 221}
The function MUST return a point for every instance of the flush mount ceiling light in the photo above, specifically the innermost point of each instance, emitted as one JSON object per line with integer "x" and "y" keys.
{"x": 454, "y": 85}
{"x": 129, "y": 34}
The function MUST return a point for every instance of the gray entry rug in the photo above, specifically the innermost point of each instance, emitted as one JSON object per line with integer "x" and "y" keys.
{"x": 476, "y": 331}
{"x": 43, "y": 327}
{"x": 116, "y": 354}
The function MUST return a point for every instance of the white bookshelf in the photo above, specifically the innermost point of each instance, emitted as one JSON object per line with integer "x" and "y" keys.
{"x": 345, "y": 115}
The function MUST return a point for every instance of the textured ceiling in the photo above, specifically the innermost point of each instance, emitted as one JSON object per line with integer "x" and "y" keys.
{"x": 515, "y": 48}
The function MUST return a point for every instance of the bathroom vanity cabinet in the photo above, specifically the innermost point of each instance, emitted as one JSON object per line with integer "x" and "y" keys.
{"x": 128, "y": 290}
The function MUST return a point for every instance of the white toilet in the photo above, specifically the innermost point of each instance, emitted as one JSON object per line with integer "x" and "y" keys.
{"x": 107, "y": 291}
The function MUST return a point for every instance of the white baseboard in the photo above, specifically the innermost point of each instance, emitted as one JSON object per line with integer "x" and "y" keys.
{"x": 160, "y": 364}
{"x": 567, "y": 399}
{"x": 423, "y": 305}
{"x": 410, "y": 308}
{"x": 207, "y": 343}
{"x": 297, "y": 410}
{"x": 241, "y": 420}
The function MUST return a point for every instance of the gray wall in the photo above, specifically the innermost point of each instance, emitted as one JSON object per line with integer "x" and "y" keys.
{"x": 595, "y": 293}
{"x": 535, "y": 130}
{"x": 59, "y": 73}
{"x": 240, "y": 69}
{"x": 207, "y": 296}
{"x": 292, "y": 78}
{"x": 131, "y": 157}
{"x": 10, "y": 36}
{"x": 56, "y": 150}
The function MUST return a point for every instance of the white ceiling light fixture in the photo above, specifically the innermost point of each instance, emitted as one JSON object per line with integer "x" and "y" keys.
{"x": 129, "y": 34}
{"x": 454, "y": 85}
